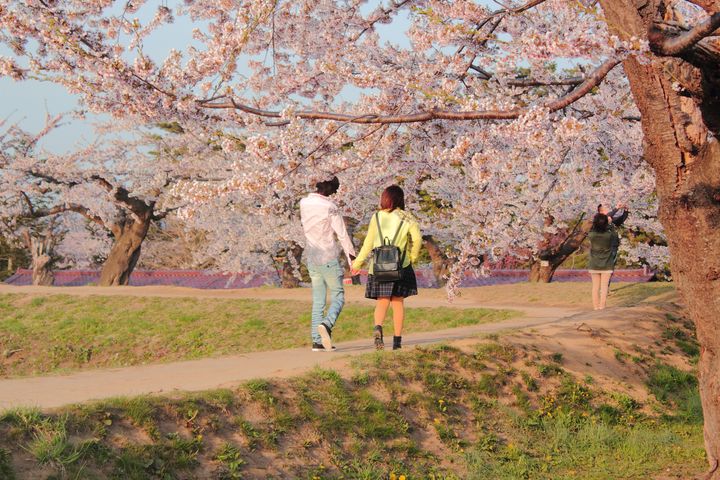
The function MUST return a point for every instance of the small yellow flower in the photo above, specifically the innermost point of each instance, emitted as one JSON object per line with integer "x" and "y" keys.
{"x": 393, "y": 477}
{"x": 401, "y": 477}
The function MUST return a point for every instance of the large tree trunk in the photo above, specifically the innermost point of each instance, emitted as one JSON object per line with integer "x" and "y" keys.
{"x": 556, "y": 248}
{"x": 543, "y": 270}
{"x": 680, "y": 127}
{"x": 440, "y": 262}
{"x": 41, "y": 251}
{"x": 692, "y": 224}
{"x": 125, "y": 251}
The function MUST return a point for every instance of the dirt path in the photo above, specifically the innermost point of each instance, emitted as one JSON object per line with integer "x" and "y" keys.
{"x": 210, "y": 373}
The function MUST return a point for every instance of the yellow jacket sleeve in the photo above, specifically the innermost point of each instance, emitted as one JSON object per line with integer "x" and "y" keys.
{"x": 416, "y": 242}
{"x": 367, "y": 245}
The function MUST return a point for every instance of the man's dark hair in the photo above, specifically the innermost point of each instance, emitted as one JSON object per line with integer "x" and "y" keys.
{"x": 328, "y": 187}
{"x": 599, "y": 207}
{"x": 392, "y": 197}
{"x": 600, "y": 223}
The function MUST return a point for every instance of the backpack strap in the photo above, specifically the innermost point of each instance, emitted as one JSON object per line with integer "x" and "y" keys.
{"x": 397, "y": 232}
{"x": 377, "y": 220}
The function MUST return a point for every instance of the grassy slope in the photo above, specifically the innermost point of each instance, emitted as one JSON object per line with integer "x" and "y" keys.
{"x": 88, "y": 332}
{"x": 488, "y": 410}
{"x": 491, "y": 410}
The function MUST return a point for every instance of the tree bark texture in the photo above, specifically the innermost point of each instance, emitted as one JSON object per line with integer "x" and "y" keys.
{"x": 41, "y": 251}
{"x": 440, "y": 262}
{"x": 556, "y": 248}
{"x": 41, "y": 261}
{"x": 125, "y": 251}
{"x": 678, "y": 99}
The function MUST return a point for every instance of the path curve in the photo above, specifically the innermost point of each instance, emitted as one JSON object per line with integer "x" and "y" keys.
{"x": 221, "y": 372}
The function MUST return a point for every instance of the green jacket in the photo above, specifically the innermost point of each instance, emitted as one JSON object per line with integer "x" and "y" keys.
{"x": 603, "y": 249}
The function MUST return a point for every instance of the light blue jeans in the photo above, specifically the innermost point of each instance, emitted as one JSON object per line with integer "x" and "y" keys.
{"x": 324, "y": 277}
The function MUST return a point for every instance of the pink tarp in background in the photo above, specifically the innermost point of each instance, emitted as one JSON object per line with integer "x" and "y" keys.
{"x": 215, "y": 280}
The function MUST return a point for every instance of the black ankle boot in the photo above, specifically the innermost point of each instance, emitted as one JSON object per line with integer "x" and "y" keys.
{"x": 397, "y": 343}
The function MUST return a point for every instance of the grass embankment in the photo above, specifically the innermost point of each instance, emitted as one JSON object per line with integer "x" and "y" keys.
{"x": 58, "y": 333}
{"x": 489, "y": 411}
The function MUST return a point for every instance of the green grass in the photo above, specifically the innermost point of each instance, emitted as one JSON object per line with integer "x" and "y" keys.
{"x": 677, "y": 389}
{"x": 567, "y": 294}
{"x": 435, "y": 412}
{"x": 6, "y": 470}
{"x": 89, "y": 332}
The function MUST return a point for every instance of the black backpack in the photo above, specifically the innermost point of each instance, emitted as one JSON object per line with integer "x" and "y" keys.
{"x": 387, "y": 259}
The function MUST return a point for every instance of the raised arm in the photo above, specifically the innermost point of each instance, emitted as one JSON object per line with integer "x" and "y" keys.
{"x": 619, "y": 215}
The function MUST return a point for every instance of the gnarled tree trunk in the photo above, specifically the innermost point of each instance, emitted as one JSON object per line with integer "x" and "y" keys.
{"x": 41, "y": 251}
{"x": 678, "y": 101}
{"x": 125, "y": 251}
{"x": 440, "y": 262}
{"x": 555, "y": 249}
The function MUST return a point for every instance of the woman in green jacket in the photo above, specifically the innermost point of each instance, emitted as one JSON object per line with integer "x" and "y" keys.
{"x": 604, "y": 242}
{"x": 394, "y": 223}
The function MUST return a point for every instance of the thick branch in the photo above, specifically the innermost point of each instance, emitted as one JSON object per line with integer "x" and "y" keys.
{"x": 50, "y": 179}
{"x": 70, "y": 207}
{"x": 574, "y": 95}
{"x": 122, "y": 196}
{"x": 675, "y": 45}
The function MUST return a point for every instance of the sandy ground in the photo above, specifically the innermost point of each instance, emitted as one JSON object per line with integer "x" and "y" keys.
{"x": 588, "y": 341}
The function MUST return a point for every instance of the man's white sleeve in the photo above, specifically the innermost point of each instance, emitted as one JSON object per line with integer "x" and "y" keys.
{"x": 338, "y": 225}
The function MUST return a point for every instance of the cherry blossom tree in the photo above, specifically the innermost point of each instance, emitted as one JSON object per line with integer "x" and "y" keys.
{"x": 276, "y": 74}
{"x": 118, "y": 187}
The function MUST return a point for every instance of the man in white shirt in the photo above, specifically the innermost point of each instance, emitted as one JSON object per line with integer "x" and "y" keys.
{"x": 321, "y": 221}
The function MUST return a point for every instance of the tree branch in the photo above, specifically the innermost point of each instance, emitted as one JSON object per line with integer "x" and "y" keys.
{"x": 122, "y": 196}
{"x": 527, "y": 6}
{"x": 574, "y": 95}
{"x": 70, "y": 207}
{"x": 28, "y": 202}
{"x": 166, "y": 212}
{"x": 51, "y": 179}
{"x": 385, "y": 15}
{"x": 661, "y": 44}
{"x": 528, "y": 82}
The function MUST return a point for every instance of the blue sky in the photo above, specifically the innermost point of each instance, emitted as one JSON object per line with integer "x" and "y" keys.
{"x": 28, "y": 102}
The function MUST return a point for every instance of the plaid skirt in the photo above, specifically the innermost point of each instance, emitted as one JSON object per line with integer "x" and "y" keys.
{"x": 405, "y": 287}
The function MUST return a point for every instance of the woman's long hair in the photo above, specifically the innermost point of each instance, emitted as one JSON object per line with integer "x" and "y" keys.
{"x": 392, "y": 197}
{"x": 600, "y": 223}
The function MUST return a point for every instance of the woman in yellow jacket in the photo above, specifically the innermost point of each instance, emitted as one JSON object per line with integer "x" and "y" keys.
{"x": 391, "y": 216}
